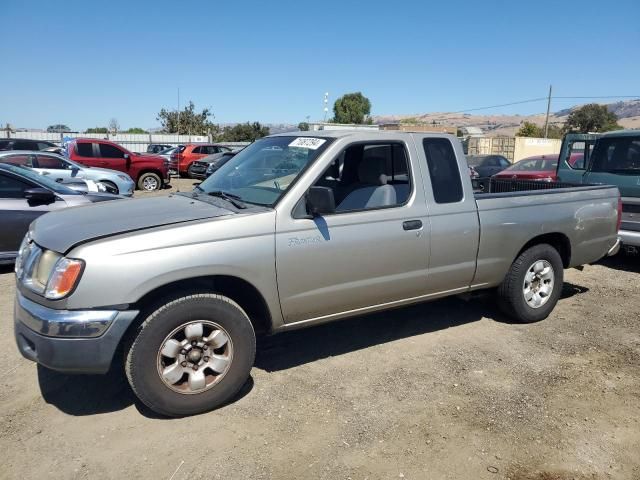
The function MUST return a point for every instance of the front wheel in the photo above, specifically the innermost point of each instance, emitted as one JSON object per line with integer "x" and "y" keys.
{"x": 191, "y": 355}
{"x": 532, "y": 287}
{"x": 149, "y": 182}
{"x": 110, "y": 186}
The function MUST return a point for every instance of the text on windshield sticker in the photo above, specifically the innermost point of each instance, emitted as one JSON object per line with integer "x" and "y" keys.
{"x": 307, "y": 142}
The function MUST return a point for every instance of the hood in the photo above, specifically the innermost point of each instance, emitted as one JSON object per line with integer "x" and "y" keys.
{"x": 61, "y": 230}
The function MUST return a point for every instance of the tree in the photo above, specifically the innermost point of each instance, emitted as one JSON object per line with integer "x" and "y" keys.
{"x": 351, "y": 108}
{"x": 187, "y": 122}
{"x": 530, "y": 129}
{"x": 243, "y": 132}
{"x": 303, "y": 126}
{"x": 58, "y": 128}
{"x": 592, "y": 118}
{"x": 97, "y": 130}
{"x": 136, "y": 130}
{"x": 114, "y": 126}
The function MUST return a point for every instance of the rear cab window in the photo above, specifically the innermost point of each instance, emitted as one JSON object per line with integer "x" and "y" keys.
{"x": 617, "y": 155}
{"x": 443, "y": 170}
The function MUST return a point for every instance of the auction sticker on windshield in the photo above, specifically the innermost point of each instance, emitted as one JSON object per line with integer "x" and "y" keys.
{"x": 308, "y": 142}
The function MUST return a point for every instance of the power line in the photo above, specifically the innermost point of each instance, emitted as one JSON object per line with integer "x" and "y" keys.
{"x": 501, "y": 105}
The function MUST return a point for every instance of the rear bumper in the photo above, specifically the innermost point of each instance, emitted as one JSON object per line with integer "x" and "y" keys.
{"x": 630, "y": 238}
{"x": 615, "y": 249}
{"x": 69, "y": 341}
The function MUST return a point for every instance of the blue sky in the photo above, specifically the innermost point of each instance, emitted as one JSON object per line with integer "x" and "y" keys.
{"x": 80, "y": 64}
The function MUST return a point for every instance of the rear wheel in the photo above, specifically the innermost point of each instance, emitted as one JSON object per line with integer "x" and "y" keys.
{"x": 191, "y": 355}
{"x": 533, "y": 284}
{"x": 190, "y": 171}
{"x": 149, "y": 182}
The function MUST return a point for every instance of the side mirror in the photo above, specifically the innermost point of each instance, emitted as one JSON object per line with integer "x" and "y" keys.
{"x": 74, "y": 171}
{"x": 39, "y": 195}
{"x": 127, "y": 159}
{"x": 320, "y": 201}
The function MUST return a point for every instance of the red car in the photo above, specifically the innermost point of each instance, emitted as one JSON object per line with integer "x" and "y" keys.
{"x": 541, "y": 167}
{"x": 150, "y": 172}
{"x": 183, "y": 157}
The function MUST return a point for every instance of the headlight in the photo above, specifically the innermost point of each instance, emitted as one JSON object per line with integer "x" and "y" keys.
{"x": 46, "y": 272}
{"x": 64, "y": 278}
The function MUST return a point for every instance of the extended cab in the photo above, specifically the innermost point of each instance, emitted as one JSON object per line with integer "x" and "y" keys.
{"x": 150, "y": 172}
{"x": 612, "y": 159}
{"x": 295, "y": 230}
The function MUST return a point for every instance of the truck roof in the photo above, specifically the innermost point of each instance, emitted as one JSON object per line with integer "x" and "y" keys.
{"x": 359, "y": 133}
{"x": 622, "y": 133}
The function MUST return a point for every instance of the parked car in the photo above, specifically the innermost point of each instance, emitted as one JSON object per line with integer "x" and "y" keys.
{"x": 540, "y": 167}
{"x": 487, "y": 165}
{"x": 204, "y": 167}
{"x": 150, "y": 172}
{"x": 173, "y": 160}
{"x": 185, "y": 157}
{"x": 25, "y": 144}
{"x": 157, "y": 147}
{"x": 24, "y": 196}
{"x": 60, "y": 169}
{"x": 612, "y": 158}
{"x": 297, "y": 229}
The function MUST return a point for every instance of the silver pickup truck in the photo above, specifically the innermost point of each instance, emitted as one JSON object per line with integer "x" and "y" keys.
{"x": 296, "y": 230}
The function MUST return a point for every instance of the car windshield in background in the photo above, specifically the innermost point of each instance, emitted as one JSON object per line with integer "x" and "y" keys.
{"x": 44, "y": 181}
{"x": 474, "y": 161}
{"x": 534, "y": 164}
{"x": 264, "y": 171}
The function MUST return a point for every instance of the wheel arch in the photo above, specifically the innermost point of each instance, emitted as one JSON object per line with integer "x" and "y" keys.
{"x": 237, "y": 289}
{"x": 557, "y": 240}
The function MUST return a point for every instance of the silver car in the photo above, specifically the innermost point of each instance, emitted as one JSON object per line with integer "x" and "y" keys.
{"x": 61, "y": 169}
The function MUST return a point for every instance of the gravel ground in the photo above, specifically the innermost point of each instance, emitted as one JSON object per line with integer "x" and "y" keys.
{"x": 443, "y": 390}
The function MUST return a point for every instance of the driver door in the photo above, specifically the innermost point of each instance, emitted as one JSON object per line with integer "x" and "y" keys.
{"x": 54, "y": 167}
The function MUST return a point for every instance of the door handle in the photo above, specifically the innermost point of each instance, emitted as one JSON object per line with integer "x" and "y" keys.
{"x": 412, "y": 225}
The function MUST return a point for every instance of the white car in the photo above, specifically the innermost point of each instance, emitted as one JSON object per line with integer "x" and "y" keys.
{"x": 62, "y": 169}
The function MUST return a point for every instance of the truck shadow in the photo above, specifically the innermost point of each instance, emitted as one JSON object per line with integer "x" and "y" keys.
{"x": 81, "y": 395}
{"x": 626, "y": 262}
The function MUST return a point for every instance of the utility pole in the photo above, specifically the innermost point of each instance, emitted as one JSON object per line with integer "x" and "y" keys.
{"x": 546, "y": 120}
{"x": 178, "y": 132}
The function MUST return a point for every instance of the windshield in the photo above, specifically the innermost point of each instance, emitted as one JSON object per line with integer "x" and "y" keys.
{"x": 534, "y": 165}
{"x": 264, "y": 171}
{"x": 42, "y": 180}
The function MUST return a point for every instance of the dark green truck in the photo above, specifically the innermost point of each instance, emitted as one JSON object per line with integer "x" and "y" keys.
{"x": 613, "y": 159}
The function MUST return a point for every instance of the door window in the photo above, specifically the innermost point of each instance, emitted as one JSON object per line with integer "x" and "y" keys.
{"x": 110, "y": 151}
{"x": 443, "y": 170}
{"x": 368, "y": 176}
{"x": 617, "y": 155}
{"x": 22, "y": 159}
{"x": 11, "y": 187}
{"x": 44, "y": 145}
{"x": 84, "y": 149}
{"x": 51, "y": 162}
{"x": 197, "y": 150}
{"x": 24, "y": 145}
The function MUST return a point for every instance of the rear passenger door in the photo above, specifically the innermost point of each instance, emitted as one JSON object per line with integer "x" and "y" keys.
{"x": 373, "y": 250}
{"x": 452, "y": 212}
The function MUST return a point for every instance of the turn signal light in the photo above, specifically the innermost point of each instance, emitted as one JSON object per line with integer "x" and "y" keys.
{"x": 64, "y": 278}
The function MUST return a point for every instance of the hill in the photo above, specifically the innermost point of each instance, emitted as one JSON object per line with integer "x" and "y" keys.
{"x": 628, "y": 113}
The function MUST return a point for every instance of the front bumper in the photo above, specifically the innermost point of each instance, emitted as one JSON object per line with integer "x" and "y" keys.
{"x": 74, "y": 341}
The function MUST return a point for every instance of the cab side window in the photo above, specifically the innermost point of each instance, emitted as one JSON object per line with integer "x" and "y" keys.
{"x": 369, "y": 176}
{"x": 617, "y": 155}
{"x": 443, "y": 170}
{"x": 84, "y": 149}
{"x": 109, "y": 151}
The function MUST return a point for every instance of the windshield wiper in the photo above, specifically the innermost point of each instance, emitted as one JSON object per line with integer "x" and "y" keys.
{"x": 234, "y": 200}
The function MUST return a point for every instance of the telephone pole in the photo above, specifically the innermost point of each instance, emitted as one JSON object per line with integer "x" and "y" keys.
{"x": 546, "y": 120}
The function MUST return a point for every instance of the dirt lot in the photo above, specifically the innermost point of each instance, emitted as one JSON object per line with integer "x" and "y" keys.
{"x": 445, "y": 390}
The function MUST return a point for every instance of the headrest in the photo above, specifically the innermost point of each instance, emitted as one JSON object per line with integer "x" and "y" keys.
{"x": 371, "y": 171}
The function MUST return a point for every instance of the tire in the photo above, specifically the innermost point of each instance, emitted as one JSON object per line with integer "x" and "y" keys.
{"x": 150, "y": 372}
{"x": 149, "y": 182}
{"x": 529, "y": 282}
{"x": 111, "y": 187}
{"x": 190, "y": 172}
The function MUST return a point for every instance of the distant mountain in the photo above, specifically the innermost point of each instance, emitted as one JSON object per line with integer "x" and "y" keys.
{"x": 628, "y": 113}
